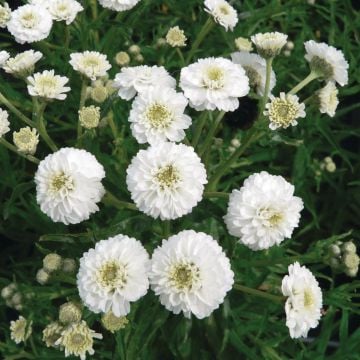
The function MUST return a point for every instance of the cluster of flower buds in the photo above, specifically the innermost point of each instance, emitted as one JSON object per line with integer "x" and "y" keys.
{"x": 100, "y": 90}
{"x": 12, "y": 296}
{"x": 342, "y": 257}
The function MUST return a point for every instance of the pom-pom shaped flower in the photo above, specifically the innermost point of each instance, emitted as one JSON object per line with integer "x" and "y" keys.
{"x": 159, "y": 116}
{"x": 26, "y": 140}
{"x": 327, "y": 62}
{"x": 118, "y": 5}
{"x": 328, "y": 99}
{"x": 175, "y": 37}
{"x": 4, "y": 122}
{"x": 269, "y": 44}
{"x": 64, "y": 10}
{"x": 264, "y": 211}
{"x": 139, "y": 79}
{"x": 48, "y": 86}
{"x": 5, "y": 14}
{"x": 214, "y": 83}
{"x": 222, "y": 12}
{"x": 113, "y": 274}
{"x": 20, "y": 330}
{"x": 166, "y": 180}
{"x": 304, "y": 302}
{"x": 191, "y": 274}
{"x": 92, "y": 64}
{"x": 23, "y": 64}
{"x": 4, "y": 56}
{"x": 284, "y": 110}
{"x": 30, "y": 23}
{"x": 255, "y": 68}
{"x": 68, "y": 185}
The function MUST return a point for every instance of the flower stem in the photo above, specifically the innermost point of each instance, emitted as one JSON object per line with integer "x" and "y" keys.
{"x": 110, "y": 199}
{"x": 259, "y": 293}
{"x": 81, "y": 105}
{"x": 216, "y": 194}
{"x": 166, "y": 228}
{"x": 312, "y": 76}
{"x": 199, "y": 126}
{"x": 14, "y": 149}
{"x": 267, "y": 86}
{"x": 181, "y": 56}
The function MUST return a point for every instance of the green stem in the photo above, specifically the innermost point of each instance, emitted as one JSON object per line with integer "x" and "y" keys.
{"x": 312, "y": 76}
{"x": 112, "y": 125}
{"x": 259, "y": 293}
{"x": 216, "y": 194}
{"x": 166, "y": 228}
{"x": 110, "y": 199}
{"x": 81, "y": 105}
{"x": 14, "y": 149}
{"x": 17, "y": 112}
{"x": 199, "y": 126}
{"x": 94, "y": 13}
{"x": 267, "y": 86}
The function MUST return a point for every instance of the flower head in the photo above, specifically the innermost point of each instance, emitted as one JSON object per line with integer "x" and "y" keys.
{"x": 113, "y": 274}
{"x": 68, "y": 185}
{"x": 263, "y": 212}
{"x": 64, "y": 10}
{"x": 191, "y": 274}
{"x": 303, "y": 306}
{"x": 52, "y": 333}
{"x": 4, "y": 56}
{"x": 22, "y": 65}
{"x": 4, "y": 122}
{"x": 122, "y": 58}
{"x": 175, "y": 37}
{"x": 284, "y": 110}
{"x": 69, "y": 313}
{"x": 52, "y": 262}
{"x": 30, "y": 23}
{"x": 222, "y": 12}
{"x": 327, "y": 62}
{"x": 113, "y": 323}
{"x": 159, "y": 116}
{"x": 243, "y": 44}
{"x": 118, "y": 5}
{"x": 89, "y": 116}
{"x": 26, "y": 140}
{"x": 92, "y": 64}
{"x": 20, "y": 330}
{"x": 269, "y": 44}
{"x": 166, "y": 180}
{"x": 328, "y": 99}
{"x": 143, "y": 78}
{"x": 214, "y": 83}
{"x": 42, "y": 276}
{"x": 5, "y": 14}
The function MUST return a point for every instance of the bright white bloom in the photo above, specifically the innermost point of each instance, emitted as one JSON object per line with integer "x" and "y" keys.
{"x": 113, "y": 274}
{"x": 90, "y": 63}
{"x": 47, "y": 85}
{"x": 23, "y": 64}
{"x": 5, "y": 14}
{"x": 255, "y": 68}
{"x": 64, "y": 10}
{"x": 328, "y": 99}
{"x": 191, "y": 274}
{"x": 284, "y": 110}
{"x": 166, "y": 180}
{"x": 68, "y": 185}
{"x": 26, "y": 140}
{"x": 222, "y": 12}
{"x": 269, "y": 44}
{"x": 303, "y": 306}
{"x": 214, "y": 83}
{"x": 327, "y": 62}
{"x": 4, "y": 122}
{"x": 264, "y": 211}
{"x": 143, "y": 78}
{"x": 78, "y": 339}
{"x": 159, "y": 116}
{"x": 118, "y": 5}
{"x": 30, "y": 23}
{"x": 175, "y": 37}
{"x": 20, "y": 330}
{"x": 4, "y": 56}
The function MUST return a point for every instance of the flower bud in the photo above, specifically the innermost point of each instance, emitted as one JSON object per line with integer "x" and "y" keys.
{"x": 8, "y": 291}
{"x": 122, "y": 58}
{"x": 139, "y": 58}
{"x": 335, "y": 250}
{"x": 349, "y": 247}
{"x": 113, "y": 323}
{"x": 52, "y": 262}
{"x": 68, "y": 266}
{"x": 134, "y": 50}
{"x": 351, "y": 260}
{"x": 69, "y": 313}
{"x": 89, "y": 117}
{"x": 243, "y": 44}
{"x": 352, "y": 272}
{"x": 235, "y": 143}
{"x": 99, "y": 94}
{"x": 42, "y": 277}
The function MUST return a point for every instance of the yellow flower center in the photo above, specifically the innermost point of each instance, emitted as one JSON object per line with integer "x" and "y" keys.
{"x": 61, "y": 182}
{"x": 214, "y": 78}
{"x": 271, "y": 217}
{"x": 184, "y": 276}
{"x": 308, "y": 298}
{"x": 159, "y": 116}
{"x": 283, "y": 112}
{"x": 29, "y": 20}
{"x": 167, "y": 177}
{"x": 112, "y": 275}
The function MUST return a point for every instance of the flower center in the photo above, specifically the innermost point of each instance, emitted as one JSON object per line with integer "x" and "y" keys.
{"x": 159, "y": 116}
{"x": 322, "y": 67}
{"x": 78, "y": 340}
{"x": 112, "y": 275}
{"x": 253, "y": 75}
{"x": 270, "y": 217}
{"x": 167, "y": 177}
{"x": 91, "y": 62}
{"x": 47, "y": 82}
{"x": 308, "y": 298}
{"x": 214, "y": 78}
{"x": 223, "y": 9}
{"x": 283, "y": 112}
{"x": 29, "y": 20}
{"x": 184, "y": 276}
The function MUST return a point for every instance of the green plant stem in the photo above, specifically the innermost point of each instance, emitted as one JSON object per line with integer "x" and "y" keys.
{"x": 267, "y": 86}
{"x": 94, "y": 13}
{"x": 166, "y": 224}
{"x": 17, "y": 112}
{"x": 312, "y": 76}
{"x": 199, "y": 126}
{"x": 181, "y": 56}
{"x": 110, "y": 199}
{"x": 14, "y": 149}
{"x": 81, "y": 105}
{"x": 199, "y": 39}
{"x": 216, "y": 194}
{"x": 211, "y": 133}
{"x": 259, "y": 293}
{"x": 112, "y": 125}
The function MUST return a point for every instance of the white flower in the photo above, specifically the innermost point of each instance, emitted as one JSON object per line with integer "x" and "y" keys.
{"x": 214, "y": 83}
{"x": 118, "y": 5}
{"x": 166, "y": 180}
{"x": 175, "y": 37}
{"x": 284, "y": 110}
{"x": 264, "y": 211}
{"x": 328, "y": 99}
{"x": 92, "y": 64}
{"x": 191, "y": 274}
{"x": 20, "y": 330}
{"x": 327, "y": 62}
{"x": 4, "y": 56}
{"x": 243, "y": 44}
{"x": 143, "y": 78}
{"x": 30, "y": 23}
{"x": 64, "y": 10}
{"x": 303, "y": 306}
{"x": 255, "y": 68}
{"x": 68, "y": 185}
{"x": 77, "y": 339}
{"x": 222, "y": 12}
{"x": 113, "y": 274}
{"x": 4, "y": 122}
{"x": 269, "y": 44}
{"x": 23, "y": 64}
{"x": 159, "y": 116}
{"x": 26, "y": 140}
{"x": 5, "y": 15}
{"x": 47, "y": 85}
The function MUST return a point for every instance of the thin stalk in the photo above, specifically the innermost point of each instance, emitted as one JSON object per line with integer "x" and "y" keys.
{"x": 267, "y": 86}
{"x": 112, "y": 125}
{"x": 13, "y": 148}
{"x": 259, "y": 293}
{"x": 216, "y": 194}
{"x": 312, "y": 76}
{"x": 166, "y": 224}
{"x": 94, "y": 13}
{"x": 199, "y": 126}
{"x": 81, "y": 105}
{"x": 181, "y": 56}
{"x": 110, "y": 199}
